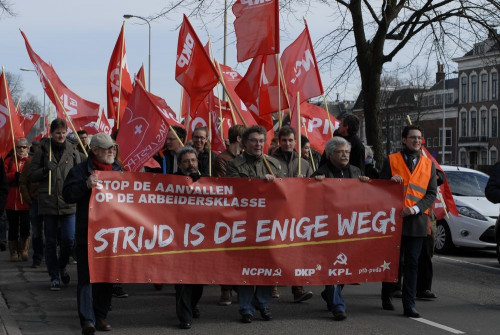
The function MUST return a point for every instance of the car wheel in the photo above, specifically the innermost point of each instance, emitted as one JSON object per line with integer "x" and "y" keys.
{"x": 443, "y": 243}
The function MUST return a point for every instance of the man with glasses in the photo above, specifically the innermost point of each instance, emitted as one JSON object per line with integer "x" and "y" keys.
{"x": 93, "y": 299}
{"x": 337, "y": 151}
{"x": 252, "y": 163}
{"x": 418, "y": 174}
{"x": 84, "y": 137}
{"x": 202, "y": 147}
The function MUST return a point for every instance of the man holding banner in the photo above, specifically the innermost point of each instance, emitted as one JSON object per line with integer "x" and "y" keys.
{"x": 418, "y": 174}
{"x": 253, "y": 163}
{"x": 94, "y": 299}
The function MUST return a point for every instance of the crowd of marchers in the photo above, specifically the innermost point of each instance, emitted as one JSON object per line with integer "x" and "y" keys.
{"x": 46, "y": 189}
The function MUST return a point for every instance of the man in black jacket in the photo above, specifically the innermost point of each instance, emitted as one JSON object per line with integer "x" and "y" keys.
{"x": 93, "y": 299}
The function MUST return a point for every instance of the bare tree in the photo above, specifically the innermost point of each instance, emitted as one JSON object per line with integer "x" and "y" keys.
{"x": 31, "y": 105}
{"x": 15, "y": 83}
{"x": 6, "y": 8}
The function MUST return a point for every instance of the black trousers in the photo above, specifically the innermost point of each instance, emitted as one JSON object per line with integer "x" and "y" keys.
{"x": 187, "y": 297}
{"x": 425, "y": 272}
{"x": 19, "y": 224}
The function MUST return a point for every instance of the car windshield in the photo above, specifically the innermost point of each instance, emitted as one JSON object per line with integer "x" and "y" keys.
{"x": 467, "y": 184}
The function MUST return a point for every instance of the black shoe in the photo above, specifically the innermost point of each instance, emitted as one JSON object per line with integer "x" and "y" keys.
{"x": 398, "y": 294}
{"x": 103, "y": 326}
{"x": 266, "y": 314}
{"x": 302, "y": 296}
{"x": 118, "y": 292}
{"x": 387, "y": 304}
{"x": 246, "y": 318}
{"x": 196, "y": 312}
{"x": 3, "y": 246}
{"x": 411, "y": 312}
{"x": 158, "y": 287}
{"x": 65, "y": 278}
{"x": 88, "y": 328}
{"x": 329, "y": 305}
{"x": 185, "y": 325}
{"x": 36, "y": 264}
{"x": 427, "y": 294}
{"x": 339, "y": 315}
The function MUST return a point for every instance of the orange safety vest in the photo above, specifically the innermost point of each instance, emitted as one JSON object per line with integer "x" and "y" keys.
{"x": 415, "y": 183}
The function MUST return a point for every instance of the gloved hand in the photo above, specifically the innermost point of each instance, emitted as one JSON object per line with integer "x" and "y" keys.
{"x": 51, "y": 165}
{"x": 16, "y": 176}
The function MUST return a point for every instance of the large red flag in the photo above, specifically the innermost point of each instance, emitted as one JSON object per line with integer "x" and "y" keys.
{"x": 317, "y": 126}
{"x": 9, "y": 122}
{"x": 194, "y": 70}
{"x": 258, "y": 89}
{"x": 444, "y": 190}
{"x": 118, "y": 82}
{"x": 144, "y": 128}
{"x": 27, "y": 122}
{"x": 256, "y": 27}
{"x": 75, "y": 106}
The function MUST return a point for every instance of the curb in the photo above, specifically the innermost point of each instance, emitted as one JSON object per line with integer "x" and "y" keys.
{"x": 8, "y": 325}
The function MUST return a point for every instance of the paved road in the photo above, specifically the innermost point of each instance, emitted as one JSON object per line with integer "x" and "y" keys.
{"x": 467, "y": 284}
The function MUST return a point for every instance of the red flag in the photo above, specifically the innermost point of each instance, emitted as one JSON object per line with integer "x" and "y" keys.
{"x": 445, "y": 191}
{"x": 74, "y": 105}
{"x": 301, "y": 70}
{"x": 256, "y": 27}
{"x": 141, "y": 76}
{"x": 231, "y": 79}
{"x": 143, "y": 131}
{"x": 316, "y": 125}
{"x": 194, "y": 70}
{"x": 9, "y": 122}
{"x": 118, "y": 82}
{"x": 103, "y": 126}
{"x": 258, "y": 89}
{"x": 28, "y": 121}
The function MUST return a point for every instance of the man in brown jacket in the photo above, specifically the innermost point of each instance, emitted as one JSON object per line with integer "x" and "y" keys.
{"x": 235, "y": 134}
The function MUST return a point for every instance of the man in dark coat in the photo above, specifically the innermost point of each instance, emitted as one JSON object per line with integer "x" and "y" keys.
{"x": 206, "y": 157}
{"x": 418, "y": 174}
{"x": 337, "y": 151}
{"x": 167, "y": 156}
{"x": 93, "y": 299}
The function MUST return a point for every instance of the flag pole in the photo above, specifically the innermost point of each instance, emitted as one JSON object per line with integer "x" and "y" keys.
{"x": 218, "y": 92}
{"x": 310, "y": 151}
{"x": 328, "y": 114}
{"x": 282, "y": 77}
{"x": 221, "y": 80}
{"x": 50, "y": 151}
{"x": 299, "y": 140}
{"x": 120, "y": 78}
{"x": 280, "y": 117}
{"x": 209, "y": 135}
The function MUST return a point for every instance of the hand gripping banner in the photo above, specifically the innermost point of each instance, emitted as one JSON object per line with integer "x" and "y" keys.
{"x": 295, "y": 231}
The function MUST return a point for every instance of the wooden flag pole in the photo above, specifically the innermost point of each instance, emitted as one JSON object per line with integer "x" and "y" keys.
{"x": 280, "y": 117}
{"x": 299, "y": 140}
{"x": 50, "y": 151}
{"x": 209, "y": 136}
{"x": 267, "y": 165}
{"x": 282, "y": 78}
{"x": 328, "y": 114}
{"x": 179, "y": 116}
{"x": 221, "y": 132}
{"x": 231, "y": 101}
{"x": 120, "y": 78}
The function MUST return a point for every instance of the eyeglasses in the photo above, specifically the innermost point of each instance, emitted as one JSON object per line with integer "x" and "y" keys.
{"x": 417, "y": 138}
{"x": 113, "y": 147}
{"x": 21, "y": 147}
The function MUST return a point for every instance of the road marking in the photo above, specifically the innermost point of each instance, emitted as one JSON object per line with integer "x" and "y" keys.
{"x": 437, "y": 325}
{"x": 470, "y": 263}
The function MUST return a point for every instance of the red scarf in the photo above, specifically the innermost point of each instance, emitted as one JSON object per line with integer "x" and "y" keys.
{"x": 101, "y": 166}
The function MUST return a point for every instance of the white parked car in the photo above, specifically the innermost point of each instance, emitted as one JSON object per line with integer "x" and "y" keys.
{"x": 475, "y": 225}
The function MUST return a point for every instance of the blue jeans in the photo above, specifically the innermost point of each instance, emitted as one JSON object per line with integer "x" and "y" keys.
{"x": 253, "y": 297}
{"x": 334, "y": 294}
{"x": 52, "y": 223}
{"x": 411, "y": 248}
{"x": 36, "y": 232}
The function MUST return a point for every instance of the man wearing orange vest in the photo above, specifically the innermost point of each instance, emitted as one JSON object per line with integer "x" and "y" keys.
{"x": 418, "y": 174}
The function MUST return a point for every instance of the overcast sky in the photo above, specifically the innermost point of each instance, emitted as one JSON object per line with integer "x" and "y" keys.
{"x": 77, "y": 38}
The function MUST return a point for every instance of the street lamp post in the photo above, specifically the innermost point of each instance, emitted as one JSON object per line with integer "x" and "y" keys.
{"x": 43, "y": 91}
{"x": 128, "y": 16}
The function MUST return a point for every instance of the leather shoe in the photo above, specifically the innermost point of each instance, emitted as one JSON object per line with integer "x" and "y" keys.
{"x": 411, "y": 312}
{"x": 185, "y": 325}
{"x": 246, "y": 318}
{"x": 427, "y": 294}
{"x": 196, "y": 312}
{"x": 103, "y": 326}
{"x": 266, "y": 314}
{"x": 387, "y": 304}
{"x": 88, "y": 328}
{"x": 339, "y": 315}
{"x": 329, "y": 304}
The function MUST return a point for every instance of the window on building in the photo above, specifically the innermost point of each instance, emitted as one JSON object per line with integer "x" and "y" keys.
{"x": 493, "y": 156}
{"x": 484, "y": 157}
{"x": 494, "y": 85}
{"x": 431, "y": 100}
{"x": 463, "y": 158}
{"x": 449, "y": 99}
{"x": 448, "y": 137}
{"x": 473, "y": 123}
{"x": 463, "y": 124}
{"x": 484, "y": 87}
{"x": 494, "y": 123}
{"x": 425, "y": 101}
{"x": 473, "y": 88}
{"x": 428, "y": 142}
{"x": 484, "y": 123}
{"x": 436, "y": 142}
{"x": 439, "y": 100}
{"x": 464, "y": 89}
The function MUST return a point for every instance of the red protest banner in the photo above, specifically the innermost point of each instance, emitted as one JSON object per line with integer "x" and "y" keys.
{"x": 169, "y": 229}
